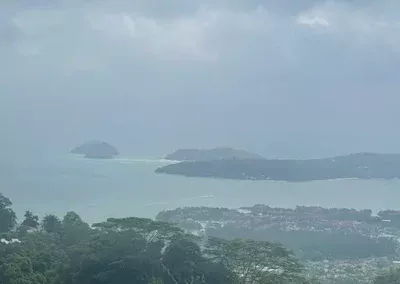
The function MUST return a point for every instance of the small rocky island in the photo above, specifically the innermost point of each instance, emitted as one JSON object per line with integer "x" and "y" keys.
{"x": 220, "y": 153}
{"x": 359, "y": 165}
{"x": 96, "y": 150}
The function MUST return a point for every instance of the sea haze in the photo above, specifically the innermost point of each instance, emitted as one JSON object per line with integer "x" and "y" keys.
{"x": 97, "y": 189}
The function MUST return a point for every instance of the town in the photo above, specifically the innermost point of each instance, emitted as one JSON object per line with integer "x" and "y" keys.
{"x": 335, "y": 245}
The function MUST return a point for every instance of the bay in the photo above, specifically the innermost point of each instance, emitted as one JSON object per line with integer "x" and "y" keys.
{"x": 98, "y": 189}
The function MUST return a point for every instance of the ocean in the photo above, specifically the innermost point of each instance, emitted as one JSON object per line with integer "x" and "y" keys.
{"x": 98, "y": 189}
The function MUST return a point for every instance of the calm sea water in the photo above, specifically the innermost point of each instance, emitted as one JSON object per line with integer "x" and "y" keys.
{"x": 97, "y": 189}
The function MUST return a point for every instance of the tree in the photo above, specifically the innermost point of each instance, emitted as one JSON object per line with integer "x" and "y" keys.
{"x": 184, "y": 262}
{"x": 8, "y": 218}
{"x": 144, "y": 227}
{"x": 74, "y": 229}
{"x": 51, "y": 224}
{"x": 127, "y": 248}
{"x": 140, "y": 251}
{"x": 156, "y": 281}
{"x": 30, "y": 220}
{"x": 390, "y": 277}
{"x": 255, "y": 261}
{"x": 18, "y": 269}
{"x": 34, "y": 260}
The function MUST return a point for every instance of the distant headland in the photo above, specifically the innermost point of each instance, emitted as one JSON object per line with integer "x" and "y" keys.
{"x": 220, "y": 153}
{"x": 359, "y": 165}
{"x": 96, "y": 150}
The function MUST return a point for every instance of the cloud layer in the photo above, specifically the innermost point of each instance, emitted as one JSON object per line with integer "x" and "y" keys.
{"x": 279, "y": 77}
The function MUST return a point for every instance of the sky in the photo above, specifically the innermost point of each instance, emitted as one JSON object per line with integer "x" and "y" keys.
{"x": 284, "y": 78}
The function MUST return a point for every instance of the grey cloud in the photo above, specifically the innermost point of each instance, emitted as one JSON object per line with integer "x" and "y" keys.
{"x": 166, "y": 74}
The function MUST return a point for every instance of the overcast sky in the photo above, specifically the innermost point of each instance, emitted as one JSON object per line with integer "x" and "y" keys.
{"x": 280, "y": 77}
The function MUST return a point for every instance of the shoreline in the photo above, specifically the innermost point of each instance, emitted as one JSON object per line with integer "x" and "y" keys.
{"x": 277, "y": 181}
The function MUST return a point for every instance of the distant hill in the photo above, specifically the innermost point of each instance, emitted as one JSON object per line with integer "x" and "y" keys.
{"x": 211, "y": 154}
{"x": 359, "y": 165}
{"x": 96, "y": 150}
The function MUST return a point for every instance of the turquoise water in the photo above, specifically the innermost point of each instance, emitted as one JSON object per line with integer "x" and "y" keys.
{"x": 97, "y": 189}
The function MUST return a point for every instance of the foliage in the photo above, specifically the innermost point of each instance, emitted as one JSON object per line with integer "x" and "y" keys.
{"x": 256, "y": 262}
{"x": 30, "y": 220}
{"x": 74, "y": 229}
{"x": 359, "y": 165}
{"x": 391, "y": 277}
{"x": 135, "y": 250}
{"x": 8, "y": 218}
{"x": 315, "y": 245}
{"x": 51, "y": 224}
{"x": 211, "y": 154}
{"x": 320, "y": 233}
{"x": 31, "y": 261}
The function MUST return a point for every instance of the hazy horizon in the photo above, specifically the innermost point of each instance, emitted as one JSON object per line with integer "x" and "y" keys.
{"x": 307, "y": 79}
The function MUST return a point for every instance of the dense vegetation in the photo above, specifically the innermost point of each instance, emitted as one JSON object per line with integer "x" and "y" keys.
{"x": 391, "y": 215}
{"x": 313, "y": 233}
{"x": 214, "y": 213}
{"x": 364, "y": 215}
{"x": 361, "y": 165}
{"x": 135, "y": 250}
{"x": 391, "y": 277}
{"x": 315, "y": 246}
{"x": 131, "y": 250}
{"x": 211, "y": 154}
{"x": 96, "y": 150}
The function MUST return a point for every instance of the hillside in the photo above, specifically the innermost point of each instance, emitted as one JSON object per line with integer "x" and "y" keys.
{"x": 360, "y": 165}
{"x": 96, "y": 150}
{"x": 211, "y": 154}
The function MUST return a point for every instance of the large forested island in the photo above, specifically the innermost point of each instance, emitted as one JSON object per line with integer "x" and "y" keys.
{"x": 219, "y": 153}
{"x": 96, "y": 150}
{"x": 359, "y": 165}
